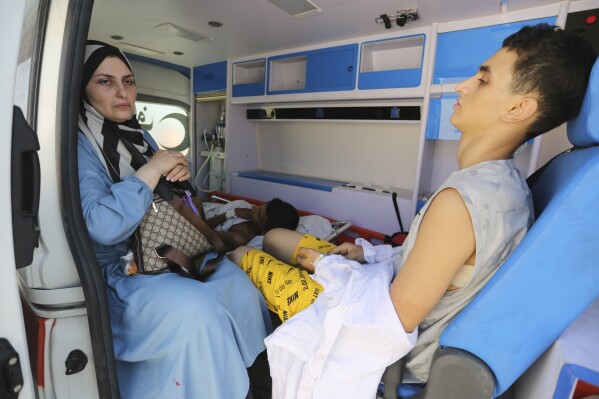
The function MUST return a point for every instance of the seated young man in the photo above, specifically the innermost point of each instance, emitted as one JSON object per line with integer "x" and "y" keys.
{"x": 238, "y": 222}
{"x": 365, "y": 317}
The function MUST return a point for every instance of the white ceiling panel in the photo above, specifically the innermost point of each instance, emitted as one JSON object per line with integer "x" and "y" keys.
{"x": 258, "y": 26}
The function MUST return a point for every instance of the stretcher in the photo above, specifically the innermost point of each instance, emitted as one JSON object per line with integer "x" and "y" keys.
{"x": 342, "y": 230}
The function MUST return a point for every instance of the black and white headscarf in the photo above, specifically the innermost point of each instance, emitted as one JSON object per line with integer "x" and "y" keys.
{"x": 107, "y": 136}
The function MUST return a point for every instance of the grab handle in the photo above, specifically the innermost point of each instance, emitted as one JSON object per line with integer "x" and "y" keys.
{"x": 25, "y": 189}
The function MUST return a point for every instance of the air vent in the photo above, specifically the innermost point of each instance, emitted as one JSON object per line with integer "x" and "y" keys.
{"x": 297, "y": 8}
{"x": 137, "y": 49}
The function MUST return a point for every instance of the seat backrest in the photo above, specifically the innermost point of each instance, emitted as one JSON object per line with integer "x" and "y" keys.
{"x": 553, "y": 275}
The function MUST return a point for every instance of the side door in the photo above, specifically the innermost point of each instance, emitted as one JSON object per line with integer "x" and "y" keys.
{"x": 53, "y": 309}
{"x": 16, "y": 379}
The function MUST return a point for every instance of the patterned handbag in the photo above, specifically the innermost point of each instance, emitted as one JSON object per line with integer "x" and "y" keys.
{"x": 164, "y": 225}
{"x": 173, "y": 234}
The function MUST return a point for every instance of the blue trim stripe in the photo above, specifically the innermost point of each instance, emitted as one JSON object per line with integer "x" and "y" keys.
{"x": 181, "y": 69}
{"x": 292, "y": 180}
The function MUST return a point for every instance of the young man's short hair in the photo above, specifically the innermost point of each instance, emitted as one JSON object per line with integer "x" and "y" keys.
{"x": 556, "y": 65}
{"x": 281, "y": 214}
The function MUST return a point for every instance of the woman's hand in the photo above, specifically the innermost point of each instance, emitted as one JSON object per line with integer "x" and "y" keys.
{"x": 306, "y": 258}
{"x": 349, "y": 251}
{"x": 163, "y": 163}
{"x": 178, "y": 173}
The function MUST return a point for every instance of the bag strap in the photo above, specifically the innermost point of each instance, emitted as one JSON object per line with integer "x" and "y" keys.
{"x": 184, "y": 265}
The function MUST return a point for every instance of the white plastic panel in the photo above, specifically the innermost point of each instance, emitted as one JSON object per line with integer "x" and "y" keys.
{"x": 63, "y": 336}
{"x": 363, "y": 208}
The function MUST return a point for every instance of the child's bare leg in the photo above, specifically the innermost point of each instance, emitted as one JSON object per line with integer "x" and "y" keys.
{"x": 238, "y": 253}
{"x": 281, "y": 243}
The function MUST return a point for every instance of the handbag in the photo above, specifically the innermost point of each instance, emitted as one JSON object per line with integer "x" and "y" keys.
{"x": 173, "y": 236}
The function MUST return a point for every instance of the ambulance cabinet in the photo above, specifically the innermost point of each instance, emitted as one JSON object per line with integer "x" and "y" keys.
{"x": 248, "y": 78}
{"x": 210, "y": 77}
{"x": 460, "y": 53}
{"x": 392, "y": 63}
{"x": 328, "y": 69}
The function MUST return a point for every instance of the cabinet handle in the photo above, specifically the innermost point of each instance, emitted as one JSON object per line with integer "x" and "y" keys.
{"x": 350, "y": 68}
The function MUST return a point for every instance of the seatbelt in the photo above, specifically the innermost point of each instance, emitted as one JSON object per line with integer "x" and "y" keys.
{"x": 537, "y": 173}
{"x": 399, "y": 237}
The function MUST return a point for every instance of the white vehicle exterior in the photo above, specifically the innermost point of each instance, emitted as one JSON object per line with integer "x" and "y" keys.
{"x": 55, "y": 313}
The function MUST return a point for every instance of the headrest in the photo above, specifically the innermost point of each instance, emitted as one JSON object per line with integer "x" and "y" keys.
{"x": 583, "y": 130}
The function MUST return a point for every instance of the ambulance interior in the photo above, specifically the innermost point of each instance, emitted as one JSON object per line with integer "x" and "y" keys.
{"x": 341, "y": 109}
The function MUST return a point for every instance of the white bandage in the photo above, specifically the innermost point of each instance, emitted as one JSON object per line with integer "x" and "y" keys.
{"x": 230, "y": 214}
{"x": 318, "y": 259}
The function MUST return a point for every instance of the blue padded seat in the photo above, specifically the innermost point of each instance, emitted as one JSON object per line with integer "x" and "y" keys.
{"x": 553, "y": 275}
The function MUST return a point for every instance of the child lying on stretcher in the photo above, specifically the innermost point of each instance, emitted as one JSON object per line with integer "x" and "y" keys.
{"x": 279, "y": 214}
{"x": 239, "y": 222}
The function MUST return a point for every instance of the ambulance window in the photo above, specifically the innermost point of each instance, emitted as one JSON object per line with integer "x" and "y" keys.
{"x": 167, "y": 122}
{"x": 27, "y": 76}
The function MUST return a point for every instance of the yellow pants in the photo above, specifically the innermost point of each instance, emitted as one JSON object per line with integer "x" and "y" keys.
{"x": 287, "y": 289}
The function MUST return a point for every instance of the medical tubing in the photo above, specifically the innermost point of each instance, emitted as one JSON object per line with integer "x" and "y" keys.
{"x": 198, "y": 173}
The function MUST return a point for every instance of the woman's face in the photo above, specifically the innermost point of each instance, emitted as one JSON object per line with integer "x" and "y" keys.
{"x": 111, "y": 90}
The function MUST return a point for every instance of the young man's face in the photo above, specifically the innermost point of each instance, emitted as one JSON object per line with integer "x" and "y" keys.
{"x": 486, "y": 96}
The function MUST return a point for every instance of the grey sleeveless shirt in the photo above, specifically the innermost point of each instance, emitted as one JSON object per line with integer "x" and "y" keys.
{"x": 500, "y": 205}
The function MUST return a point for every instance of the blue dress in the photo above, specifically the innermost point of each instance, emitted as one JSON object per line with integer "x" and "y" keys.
{"x": 174, "y": 337}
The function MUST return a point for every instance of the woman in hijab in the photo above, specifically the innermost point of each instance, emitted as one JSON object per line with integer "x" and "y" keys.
{"x": 173, "y": 337}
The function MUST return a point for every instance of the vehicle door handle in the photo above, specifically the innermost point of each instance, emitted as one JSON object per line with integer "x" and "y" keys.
{"x": 25, "y": 188}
